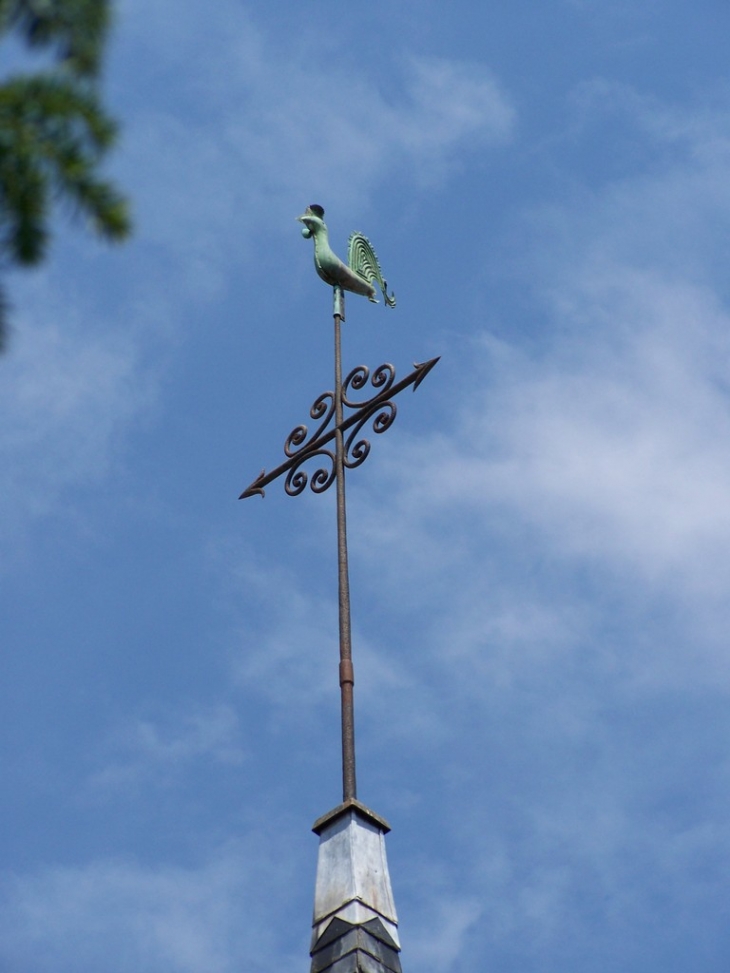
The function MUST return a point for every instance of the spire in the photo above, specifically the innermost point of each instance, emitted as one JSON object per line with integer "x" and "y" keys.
{"x": 355, "y": 925}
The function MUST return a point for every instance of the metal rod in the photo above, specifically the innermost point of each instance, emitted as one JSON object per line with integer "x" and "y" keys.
{"x": 347, "y": 676}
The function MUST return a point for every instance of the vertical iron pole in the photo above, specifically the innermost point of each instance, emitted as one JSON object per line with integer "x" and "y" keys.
{"x": 347, "y": 676}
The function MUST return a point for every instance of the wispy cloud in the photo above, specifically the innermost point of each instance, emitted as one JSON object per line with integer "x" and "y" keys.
{"x": 155, "y": 752}
{"x": 272, "y": 124}
{"x": 68, "y": 395}
{"x": 608, "y": 436}
{"x": 119, "y": 915}
{"x": 287, "y": 639}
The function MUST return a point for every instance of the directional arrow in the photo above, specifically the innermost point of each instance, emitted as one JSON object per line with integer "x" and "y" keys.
{"x": 317, "y": 446}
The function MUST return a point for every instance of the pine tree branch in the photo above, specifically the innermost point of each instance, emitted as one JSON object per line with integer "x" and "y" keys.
{"x": 75, "y": 29}
{"x": 53, "y": 135}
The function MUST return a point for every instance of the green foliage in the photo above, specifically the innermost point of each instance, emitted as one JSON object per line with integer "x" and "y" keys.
{"x": 53, "y": 134}
{"x": 75, "y": 28}
{"x": 54, "y": 131}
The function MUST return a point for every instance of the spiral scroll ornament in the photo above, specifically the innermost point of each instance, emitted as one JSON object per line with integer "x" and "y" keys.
{"x": 298, "y": 440}
{"x": 357, "y": 450}
{"x": 319, "y": 481}
{"x": 383, "y": 378}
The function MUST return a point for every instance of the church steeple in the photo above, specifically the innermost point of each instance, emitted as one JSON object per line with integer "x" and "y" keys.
{"x": 355, "y": 925}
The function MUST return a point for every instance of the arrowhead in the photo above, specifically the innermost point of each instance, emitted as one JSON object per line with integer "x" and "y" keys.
{"x": 423, "y": 369}
{"x": 254, "y": 489}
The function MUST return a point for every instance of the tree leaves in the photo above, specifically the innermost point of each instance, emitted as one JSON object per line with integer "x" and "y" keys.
{"x": 54, "y": 131}
{"x": 75, "y": 29}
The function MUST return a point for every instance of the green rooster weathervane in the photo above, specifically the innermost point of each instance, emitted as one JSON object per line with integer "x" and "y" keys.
{"x": 355, "y": 923}
{"x": 362, "y": 267}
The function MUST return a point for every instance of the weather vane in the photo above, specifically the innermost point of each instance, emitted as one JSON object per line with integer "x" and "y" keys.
{"x": 354, "y": 911}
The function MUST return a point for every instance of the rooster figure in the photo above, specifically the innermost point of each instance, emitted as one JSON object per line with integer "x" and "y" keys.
{"x": 362, "y": 269}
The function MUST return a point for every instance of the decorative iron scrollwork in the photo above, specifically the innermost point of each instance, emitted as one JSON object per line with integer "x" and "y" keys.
{"x": 319, "y": 481}
{"x": 383, "y": 378}
{"x": 357, "y": 450}
{"x": 300, "y": 446}
{"x": 323, "y": 408}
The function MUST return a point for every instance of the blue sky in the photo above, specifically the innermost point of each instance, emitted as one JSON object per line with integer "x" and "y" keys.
{"x": 540, "y": 546}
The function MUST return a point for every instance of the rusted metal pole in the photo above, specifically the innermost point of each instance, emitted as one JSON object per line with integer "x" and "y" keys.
{"x": 347, "y": 676}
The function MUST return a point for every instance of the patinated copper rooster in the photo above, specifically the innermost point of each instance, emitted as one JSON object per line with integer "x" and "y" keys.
{"x": 362, "y": 268}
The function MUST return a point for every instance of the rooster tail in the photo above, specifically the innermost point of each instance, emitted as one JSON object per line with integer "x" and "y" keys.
{"x": 363, "y": 260}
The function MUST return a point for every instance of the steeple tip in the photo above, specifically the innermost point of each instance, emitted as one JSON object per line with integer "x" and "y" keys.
{"x": 350, "y": 804}
{"x": 355, "y": 925}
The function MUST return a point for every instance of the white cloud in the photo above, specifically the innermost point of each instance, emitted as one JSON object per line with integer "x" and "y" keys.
{"x": 287, "y": 640}
{"x": 67, "y": 396}
{"x": 153, "y": 752}
{"x": 287, "y": 651}
{"x": 268, "y": 124}
{"x": 121, "y": 916}
{"x": 609, "y": 437}
{"x": 438, "y": 942}
{"x": 669, "y": 209}
{"x": 622, "y": 452}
